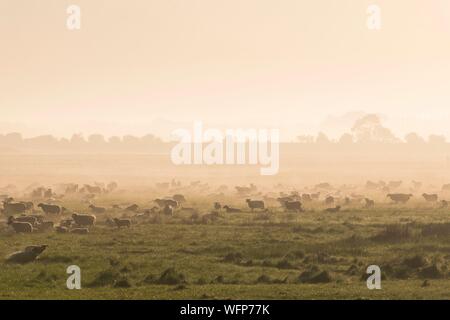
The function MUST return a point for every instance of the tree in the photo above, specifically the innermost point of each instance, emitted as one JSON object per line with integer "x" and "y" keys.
{"x": 322, "y": 138}
{"x": 346, "y": 138}
{"x": 414, "y": 138}
{"x": 436, "y": 139}
{"x": 305, "y": 139}
{"x": 370, "y": 129}
{"x": 96, "y": 139}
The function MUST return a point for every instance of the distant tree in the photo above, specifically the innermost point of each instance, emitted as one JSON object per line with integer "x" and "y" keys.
{"x": 436, "y": 139}
{"x": 114, "y": 140}
{"x": 150, "y": 139}
{"x": 322, "y": 138}
{"x": 370, "y": 129}
{"x": 305, "y": 139}
{"x": 47, "y": 141}
{"x": 346, "y": 138}
{"x": 414, "y": 138}
{"x": 129, "y": 141}
{"x": 12, "y": 139}
{"x": 96, "y": 139}
{"x": 77, "y": 140}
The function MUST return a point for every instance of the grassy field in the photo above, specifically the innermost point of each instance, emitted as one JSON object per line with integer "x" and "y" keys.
{"x": 273, "y": 255}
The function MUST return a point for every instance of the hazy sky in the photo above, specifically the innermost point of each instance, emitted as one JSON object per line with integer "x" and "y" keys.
{"x": 140, "y": 66}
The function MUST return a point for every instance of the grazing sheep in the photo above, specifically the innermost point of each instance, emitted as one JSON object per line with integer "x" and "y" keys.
{"x": 229, "y": 209}
{"x": 179, "y": 198}
{"x": 50, "y": 208}
{"x": 394, "y": 184}
{"x": 399, "y": 197}
{"x": 20, "y": 227}
{"x": 95, "y": 209}
{"x": 417, "y": 185}
{"x": 30, "y": 219}
{"x": 93, "y": 189}
{"x": 255, "y": 204}
{"x": 122, "y": 223}
{"x": 29, "y": 254}
{"x": 61, "y": 229}
{"x": 329, "y": 200}
{"x": 66, "y": 223}
{"x": 283, "y": 200}
{"x": 11, "y": 208}
{"x": 166, "y": 202}
{"x": 132, "y": 208}
{"x": 369, "y": 203}
{"x": 112, "y": 186}
{"x": 444, "y": 204}
{"x": 293, "y": 206}
{"x": 80, "y": 231}
{"x": 430, "y": 197}
{"x": 332, "y": 210}
{"x": 84, "y": 219}
{"x": 315, "y": 196}
{"x": 168, "y": 210}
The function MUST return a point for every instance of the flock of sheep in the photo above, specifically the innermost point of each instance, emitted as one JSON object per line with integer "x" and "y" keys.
{"x": 23, "y": 216}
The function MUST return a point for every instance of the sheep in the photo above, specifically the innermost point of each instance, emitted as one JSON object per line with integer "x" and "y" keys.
{"x": 306, "y": 197}
{"x": 217, "y": 206}
{"x": 179, "y": 198}
{"x": 293, "y": 206}
{"x": 369, "y": 203}
{"x": 168, "y": 210}
{"x": 283, "y": 200}
{"x": 347, "y": 201}
{"x": 229, "y": 209}
{"x": 30, "y": 219}
{"x": 329, "y": 200}
{"x": 93, "y": 189}
{"x": 166, "y": 202}
{"x": 255, "y": 204}
{"x": 112, "y": 186}
{"x": 66, "y": 223}
{"x": 45, "y": 226}
{"x": 444, "y": 204}
{"x": 11, "y": 208}
{"x": 315, "y": 196}
{"x": 417, "y": 185}
{"x": 20, "y": 227}
{"x": 132, "y": 208}
{"x": 80, "y": 231}
{"x": 84, "y": 219}
{"x": 122, "y": 223}
{"x": 29, "y": 254}
{"x": 50, "y": 208}
{"x": 394, "y": 184}
{"x": 95, "y": 209}
{"x": 399, "y": 197}
{"x": 430, "y": 197}
{"x": 61, "y": 229}
{"x": 335, "y": 209}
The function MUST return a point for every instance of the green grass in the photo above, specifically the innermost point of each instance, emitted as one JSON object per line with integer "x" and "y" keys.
{"x": 237, "y": 256}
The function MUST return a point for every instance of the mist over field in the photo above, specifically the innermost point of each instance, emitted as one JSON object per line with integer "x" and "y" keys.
{"x": 202, "y": 149}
